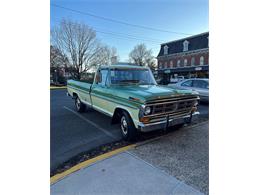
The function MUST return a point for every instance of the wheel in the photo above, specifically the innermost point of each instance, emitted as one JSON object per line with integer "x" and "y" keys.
{"x": 176, "y": 127}
{"x": 79, "y": 105}
{"x": 127, "y": 127}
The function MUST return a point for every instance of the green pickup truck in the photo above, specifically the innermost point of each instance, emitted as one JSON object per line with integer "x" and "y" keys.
{"x": 130, "y": 95}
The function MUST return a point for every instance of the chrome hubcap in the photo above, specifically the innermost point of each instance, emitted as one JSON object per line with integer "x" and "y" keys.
{"x": 124, "y": 125}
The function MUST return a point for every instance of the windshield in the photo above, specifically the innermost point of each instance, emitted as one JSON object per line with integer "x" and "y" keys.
{"x": 132, "y": 76}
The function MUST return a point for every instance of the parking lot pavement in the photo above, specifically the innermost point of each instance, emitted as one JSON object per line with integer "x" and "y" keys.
{"x": 184, "y": 154}
{"x": 73, "y": 133}
{"x": 203, "y": 108}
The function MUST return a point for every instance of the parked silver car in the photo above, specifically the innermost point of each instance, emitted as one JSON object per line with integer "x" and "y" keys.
{"x": 176, "y": 79}
{"x": 196, "y": 84}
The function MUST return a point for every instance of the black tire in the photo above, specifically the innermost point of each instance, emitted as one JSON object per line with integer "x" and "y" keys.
{"x": 179, "y": 126}
{"x": 128, "y": 130}
{"x": 80, "y": 107}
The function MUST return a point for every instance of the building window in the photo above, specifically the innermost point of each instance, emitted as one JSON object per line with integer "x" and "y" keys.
{"x": 165, "y": 64}
{"x": 160, "y": 65}
{"x": 171, "y": 64}
{"x": 192, "y": 61}
{"x": 185, "y": 45}
{"x": 201, "y": 60}
{"x": 165, "y": 50}
{"x": 185, "y": 62}
{"x": 178, "y": 63}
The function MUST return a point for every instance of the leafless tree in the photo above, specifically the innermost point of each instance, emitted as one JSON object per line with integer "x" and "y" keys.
{"x": 107, "y": 56}
{"x": 142, "y": 56}
{"x": 57, "y": 58}
{"x": 77, "y": 41}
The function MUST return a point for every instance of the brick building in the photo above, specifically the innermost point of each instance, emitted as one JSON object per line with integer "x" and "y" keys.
{"x": 188, "y": 57}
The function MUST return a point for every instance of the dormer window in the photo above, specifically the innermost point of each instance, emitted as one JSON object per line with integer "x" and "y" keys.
{"x": 165, "y": 50}
{"x": 185, "y": 45}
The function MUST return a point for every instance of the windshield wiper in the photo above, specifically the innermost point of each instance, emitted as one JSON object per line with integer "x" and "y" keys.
{"x": 129, "y": 81}
{"x": 144, "y": 83}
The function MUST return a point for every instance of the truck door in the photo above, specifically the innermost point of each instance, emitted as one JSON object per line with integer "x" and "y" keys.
{"x": 100, "y": 92}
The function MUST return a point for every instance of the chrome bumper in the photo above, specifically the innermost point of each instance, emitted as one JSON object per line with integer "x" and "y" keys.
{"x": 167, "y": 122}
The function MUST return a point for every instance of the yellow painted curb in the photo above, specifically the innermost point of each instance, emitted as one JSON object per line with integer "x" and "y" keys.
{"x": 58, "y": 87}
{"x": 86, "y": 163}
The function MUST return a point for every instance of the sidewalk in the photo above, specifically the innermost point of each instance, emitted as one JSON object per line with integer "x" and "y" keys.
{"x": 183, "y": 154}
{"x": 131, "y": 173}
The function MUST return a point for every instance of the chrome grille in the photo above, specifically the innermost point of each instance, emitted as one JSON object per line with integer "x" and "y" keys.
{"x": 167, "y": 107}
{"x": 173, "y": 106}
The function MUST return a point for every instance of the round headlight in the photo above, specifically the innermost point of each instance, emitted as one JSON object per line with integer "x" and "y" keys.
{"x": 147, "y": 110}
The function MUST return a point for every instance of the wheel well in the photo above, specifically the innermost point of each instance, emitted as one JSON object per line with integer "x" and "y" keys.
{"x": 117, "y": 114}
{"x": 74, "y": 95}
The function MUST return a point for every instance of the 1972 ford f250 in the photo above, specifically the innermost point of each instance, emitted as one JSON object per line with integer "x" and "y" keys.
{"x": 130, "y": 95}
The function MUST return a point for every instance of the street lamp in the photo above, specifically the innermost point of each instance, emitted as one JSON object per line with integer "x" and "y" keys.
{"x": 56, "y": 76}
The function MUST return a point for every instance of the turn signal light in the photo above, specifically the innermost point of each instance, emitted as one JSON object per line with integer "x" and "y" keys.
{"x": 193, "y": 109}
{"x": 145, "y": 119}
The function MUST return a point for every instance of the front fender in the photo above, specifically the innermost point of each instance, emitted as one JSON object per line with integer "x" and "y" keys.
{"x": 133, "y": 112}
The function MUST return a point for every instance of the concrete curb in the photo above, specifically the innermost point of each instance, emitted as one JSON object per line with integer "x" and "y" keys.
{"x": 86, "y": 163}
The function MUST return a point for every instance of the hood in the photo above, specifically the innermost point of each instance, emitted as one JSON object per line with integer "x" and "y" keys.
{"x": 149, "y": 92}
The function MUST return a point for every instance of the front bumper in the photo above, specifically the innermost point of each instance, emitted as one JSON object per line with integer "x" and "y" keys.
{"x": 167, "y": 122}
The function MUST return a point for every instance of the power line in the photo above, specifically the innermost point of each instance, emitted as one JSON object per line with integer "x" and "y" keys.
{"x": 146, "y": 40}
{"x": 126, "y": 36}
{"x": 118, "y": 21}
{"x": 132, "y": 35}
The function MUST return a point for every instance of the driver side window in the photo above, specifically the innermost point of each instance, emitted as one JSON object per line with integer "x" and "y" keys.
{"x": 102, "y": 77}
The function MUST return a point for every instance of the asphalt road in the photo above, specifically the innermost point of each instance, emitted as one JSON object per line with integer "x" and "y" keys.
{"x": 73, "y": 133}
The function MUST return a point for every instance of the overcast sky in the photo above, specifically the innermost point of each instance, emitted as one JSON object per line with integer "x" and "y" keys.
{"x": 186, "y": 17}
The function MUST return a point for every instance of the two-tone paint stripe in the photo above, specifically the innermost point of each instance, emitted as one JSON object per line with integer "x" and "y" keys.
{"x": 108, "y": 97}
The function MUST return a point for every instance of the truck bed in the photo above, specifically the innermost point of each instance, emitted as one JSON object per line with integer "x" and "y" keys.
{"x": 82, "y": 89}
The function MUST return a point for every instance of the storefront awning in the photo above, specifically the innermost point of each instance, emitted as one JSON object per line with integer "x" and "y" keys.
{"x": 184, "y": 69}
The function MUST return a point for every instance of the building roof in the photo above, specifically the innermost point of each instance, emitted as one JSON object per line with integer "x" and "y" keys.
{"x": 199, "y": 41}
